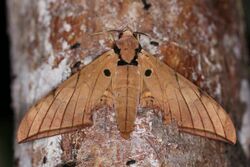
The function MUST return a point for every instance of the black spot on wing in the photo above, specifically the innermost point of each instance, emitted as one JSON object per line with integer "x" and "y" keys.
{"x": 107, "y": 72}
{"x": 148, "y": 72}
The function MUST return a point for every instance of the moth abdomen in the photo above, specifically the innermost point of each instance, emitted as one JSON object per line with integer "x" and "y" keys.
{"x": 126, "y": 87}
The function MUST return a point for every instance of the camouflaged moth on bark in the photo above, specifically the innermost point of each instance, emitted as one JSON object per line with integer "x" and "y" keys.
{"x": 126, "y": 77}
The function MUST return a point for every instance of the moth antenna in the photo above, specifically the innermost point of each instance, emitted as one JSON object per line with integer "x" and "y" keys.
{"x": 141, "y": 33}
{"x": 114, "y": 30}
{"x": 98, "y": 33}
{"x": 111, "y": 37}
{"x": 120, "y": 30}
{"x": 108, "y": 30}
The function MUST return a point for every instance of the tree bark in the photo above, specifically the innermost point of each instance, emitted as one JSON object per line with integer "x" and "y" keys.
{"x": 203, "y": 40}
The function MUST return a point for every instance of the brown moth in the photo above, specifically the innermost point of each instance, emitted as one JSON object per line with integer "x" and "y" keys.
{"x": 127, "y": 77}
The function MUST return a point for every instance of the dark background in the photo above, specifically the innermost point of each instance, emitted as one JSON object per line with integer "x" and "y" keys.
{"x": 6, "y": 112}
{"x": 246, "y": 8}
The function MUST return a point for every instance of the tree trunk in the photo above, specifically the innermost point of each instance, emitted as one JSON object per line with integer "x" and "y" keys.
{"x": 203, "y": 40}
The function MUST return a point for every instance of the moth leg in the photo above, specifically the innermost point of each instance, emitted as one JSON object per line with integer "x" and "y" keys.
{"x": 107, "y": 99}
{"x": 167, "y": 115}
{"x": 147, "y": 100}
{"x": 88, "y": 117}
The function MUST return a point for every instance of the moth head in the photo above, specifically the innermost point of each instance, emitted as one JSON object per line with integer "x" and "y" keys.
{"x": 127, "y": 45}
{"x": 126, "y": 33}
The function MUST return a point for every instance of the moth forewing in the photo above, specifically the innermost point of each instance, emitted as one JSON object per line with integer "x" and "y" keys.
{"x": 71, "y": 105}
{"x": 195, "y": 112}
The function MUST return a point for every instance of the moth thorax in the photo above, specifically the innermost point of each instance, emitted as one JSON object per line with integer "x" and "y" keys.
{"x": 127, "y": 45}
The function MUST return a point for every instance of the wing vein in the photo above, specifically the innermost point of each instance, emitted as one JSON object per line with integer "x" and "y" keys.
{"x": 178, "y": 105}
{"x": 220, "y": 120}
{"x": 200, "y": 117}
{"x": 205, "y": 110}
{"x": 90, "y": 96}
{"x": 53, "y": 117}
{"x": 192, "y": 121}
{"x": 78, "y": 76}
{"x": 163, "y": 94}
{"x": 76, "y": 105}
{"x": 49, "y": 109}
{"x": 34, "y": 119}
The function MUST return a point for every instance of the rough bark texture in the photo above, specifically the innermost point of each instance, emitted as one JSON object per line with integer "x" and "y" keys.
{"x": 203, "y": 40}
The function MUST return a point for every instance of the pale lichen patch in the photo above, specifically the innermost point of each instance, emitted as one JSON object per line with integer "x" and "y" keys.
{"x": 25, "y": 153}
{"x": 218, "y": 91}
{"x": 173, "y": 12}
{"x": 133, "y": 13}
{"x": 87, "y": 60}
{"x": 145, "y": 42}
{"x": 65, "y": 45}
{"x": 44, "y": 14}
{"x": 49, "y": 147}
{"x": 66, "y": 27}
{"x": 45, "y": 78}
{"x": 244, "y": 135}
{"x": 44, "y": 17}
{"x": 231, "y": 42}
